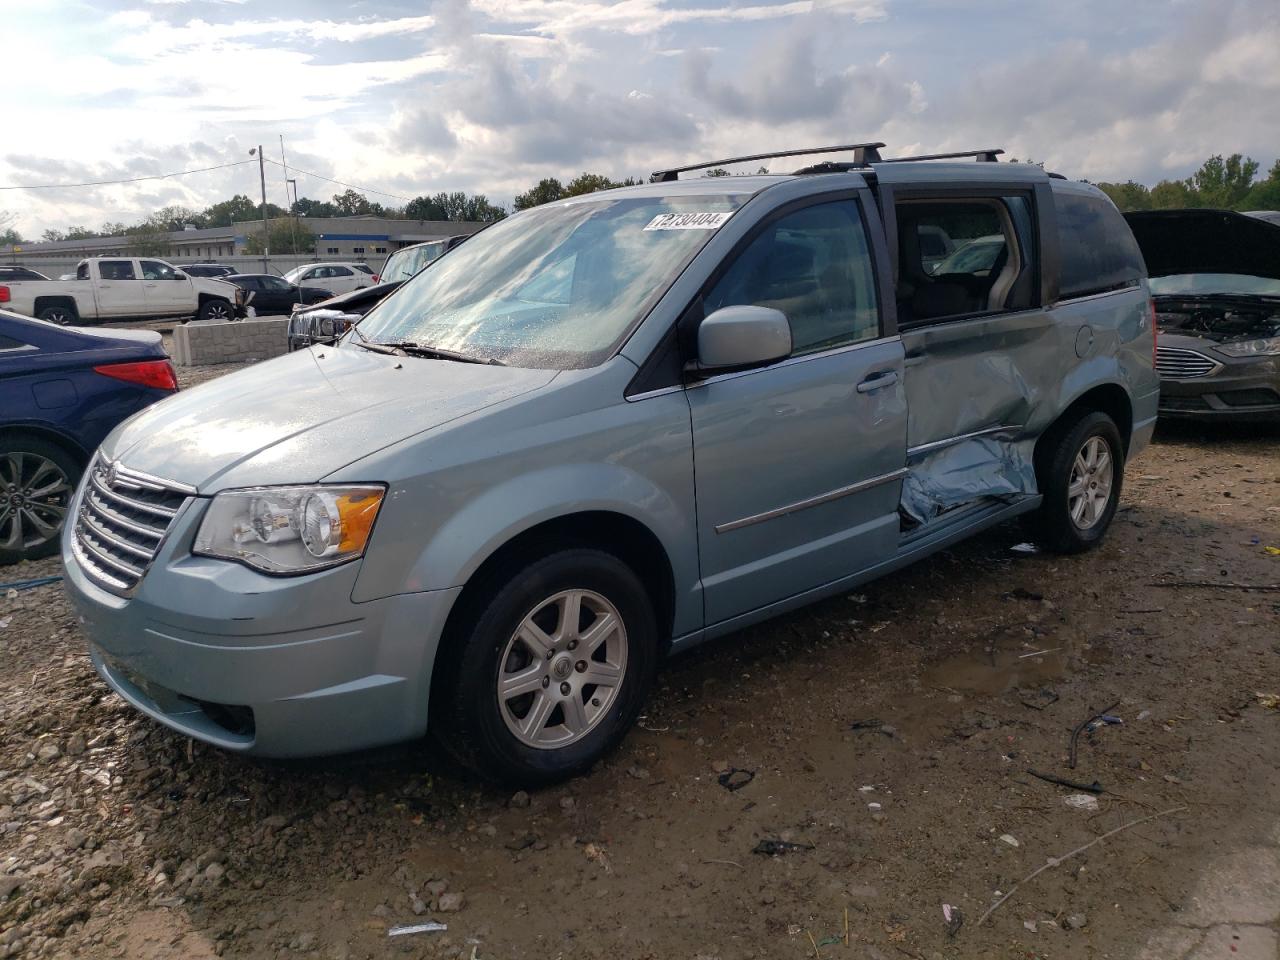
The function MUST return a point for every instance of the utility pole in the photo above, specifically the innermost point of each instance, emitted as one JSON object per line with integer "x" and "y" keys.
{"x": 293, "y": 219}
{"x": 262, "y": 174}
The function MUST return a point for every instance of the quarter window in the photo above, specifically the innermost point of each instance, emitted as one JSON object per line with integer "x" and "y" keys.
{"x": 1097, "y": 248}
{"x": 815, "y": 266}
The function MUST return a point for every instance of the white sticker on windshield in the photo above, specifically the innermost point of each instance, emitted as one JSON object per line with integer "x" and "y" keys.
{"x": 688, "y": 221}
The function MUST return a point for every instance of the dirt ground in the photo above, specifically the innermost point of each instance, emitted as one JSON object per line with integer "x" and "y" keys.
{"x": 888, "y": 733}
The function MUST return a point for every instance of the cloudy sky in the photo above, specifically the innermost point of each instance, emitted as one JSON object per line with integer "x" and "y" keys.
{"x": 491, "y": 95}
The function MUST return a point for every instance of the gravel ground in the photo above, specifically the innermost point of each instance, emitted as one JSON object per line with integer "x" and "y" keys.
{"x": 888, "y": 734}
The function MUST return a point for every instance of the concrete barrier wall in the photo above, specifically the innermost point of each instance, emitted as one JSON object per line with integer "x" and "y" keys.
{"x": 197, "y": 344}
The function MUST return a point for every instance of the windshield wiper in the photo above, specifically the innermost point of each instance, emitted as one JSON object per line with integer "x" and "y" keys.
{"x": 440, "y": 353}
{"x": 373, "y": 346}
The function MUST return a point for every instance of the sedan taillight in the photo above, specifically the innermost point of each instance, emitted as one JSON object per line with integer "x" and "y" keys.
{"x": 4, "y": 294}
{"x": 157, "y": 374}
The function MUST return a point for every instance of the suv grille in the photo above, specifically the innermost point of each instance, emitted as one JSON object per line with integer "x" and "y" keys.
{"x": 1178, "y": 364}
{"x": 123, "y": 519}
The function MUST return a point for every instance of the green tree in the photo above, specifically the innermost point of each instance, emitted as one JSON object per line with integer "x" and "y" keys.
{"x": 306, "y": 207}
{"x": 1172, "y": 195}
{"x": 716, "y": 172}
{"x": 1263, "y": 195}
{"x": 427, "y": 208}
{"x": 8, "y": 233}
{"x": 352, "y": 204}
{"x": 174, "y": 218}
{"x": 547, "y": 190}
{"x": 1129, "y": 195}
{"x": 52, "y": 236}
{"x": 1223, "y": 183}
{"x": 591, "y": 182}
{"x": 110, "y": 229}
{"x": 81, "y": 233}
{"x": 226, "y": 212}
{"x": 284, "y": 236}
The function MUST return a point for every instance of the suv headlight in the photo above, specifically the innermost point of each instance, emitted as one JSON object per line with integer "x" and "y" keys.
{"x": 1266, "y": 347}
{"x": 290, "y": 530}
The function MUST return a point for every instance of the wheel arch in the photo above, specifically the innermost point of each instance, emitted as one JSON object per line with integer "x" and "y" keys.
{"x": 49, "y": 435}
{"x": 619, "y": 534}
{"x": 55, "y": 300}
{"x": 1109, "y": 398}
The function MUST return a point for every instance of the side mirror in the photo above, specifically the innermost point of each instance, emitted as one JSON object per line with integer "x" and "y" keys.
{"x": 179, "y": 275}
{"x": 743, "y": 336}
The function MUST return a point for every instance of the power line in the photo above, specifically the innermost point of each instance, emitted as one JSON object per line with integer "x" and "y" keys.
{"x": 105, "y": 183}
{"x": 381, "y": 193}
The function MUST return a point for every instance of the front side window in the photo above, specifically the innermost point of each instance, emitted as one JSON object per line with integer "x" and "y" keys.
{"x": 116, "y": 270}
{"x": 815, "y": 266}
{"x": 1096, "y": 245}
{"x": 557, "y": 286}
{"x": 155, "y": 270}
{"x": 274, "y": 283}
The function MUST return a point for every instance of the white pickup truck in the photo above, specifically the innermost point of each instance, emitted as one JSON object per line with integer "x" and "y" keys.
{"x": 123, "y": 288}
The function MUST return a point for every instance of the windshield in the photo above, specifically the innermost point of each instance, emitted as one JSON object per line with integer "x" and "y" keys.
{"x": 293, "y": 275}
{"x": 556, "y": 287}
{"x": 403, "y": 264}
{"x": 1206, "y": 284}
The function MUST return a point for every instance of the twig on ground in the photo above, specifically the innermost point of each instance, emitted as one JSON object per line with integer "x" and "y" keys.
{"x": 727, "y": 863}
{"x": 815, "y": 944}
{"x": 1094, "y": 787}
{"x": 1055, "y": 861}
{"x": 1075, "y": 734}
{"x": 1217, "y": 586}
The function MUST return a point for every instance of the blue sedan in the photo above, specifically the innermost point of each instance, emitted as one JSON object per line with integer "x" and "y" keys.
{"x": 62, "y": 390}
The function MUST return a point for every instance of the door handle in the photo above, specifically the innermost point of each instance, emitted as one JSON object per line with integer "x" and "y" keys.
{"x": 877, "y": 381}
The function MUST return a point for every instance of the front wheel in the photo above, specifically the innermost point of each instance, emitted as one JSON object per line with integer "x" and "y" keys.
{"x": 1081, "y": 473}
{"x": 219, "y": 311}
{"x": 539, "y": 684}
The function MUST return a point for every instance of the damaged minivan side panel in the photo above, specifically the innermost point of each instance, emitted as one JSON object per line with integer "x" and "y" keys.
{"x": 991, "y": 358}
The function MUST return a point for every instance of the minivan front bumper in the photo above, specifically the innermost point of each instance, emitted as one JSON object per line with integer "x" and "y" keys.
{"x": 271, "y": 666}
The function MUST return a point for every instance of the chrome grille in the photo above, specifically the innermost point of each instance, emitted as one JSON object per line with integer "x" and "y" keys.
{"x": 123, "y": 518}
{"x": 1178, "y": 364}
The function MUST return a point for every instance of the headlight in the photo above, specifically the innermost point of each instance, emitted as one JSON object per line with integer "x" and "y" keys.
{"x": 1266, "y": 347}
{"x": 289, "y": 530}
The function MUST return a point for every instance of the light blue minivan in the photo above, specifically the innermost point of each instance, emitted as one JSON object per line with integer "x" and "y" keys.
{"x": 605, "y": 429}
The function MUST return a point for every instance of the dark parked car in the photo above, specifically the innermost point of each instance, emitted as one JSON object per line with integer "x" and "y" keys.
{"x": 320, "y": 325}
{"x": 268, "y": 294}
{"x": 19, "y": 273}
{"x": 62, "y": 390}
{"x": 215, "y": 271}
{"x": 1215, "y": 281}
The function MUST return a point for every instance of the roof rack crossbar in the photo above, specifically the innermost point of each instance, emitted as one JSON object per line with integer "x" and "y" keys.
{"x": 982, "y": 156}
{"x": 862, "y": 152}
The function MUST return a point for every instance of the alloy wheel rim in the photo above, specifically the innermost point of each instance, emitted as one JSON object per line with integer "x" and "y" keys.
{"x": 1091, "y": 483}
{"x": 217, "y": 311}
{"x": 562, "y": 669}
{"x": 34, "y": 496}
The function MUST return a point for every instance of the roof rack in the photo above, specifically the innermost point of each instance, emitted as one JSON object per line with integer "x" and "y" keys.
{"x": 982, "y": 156}
{"x": 863, "y": 153}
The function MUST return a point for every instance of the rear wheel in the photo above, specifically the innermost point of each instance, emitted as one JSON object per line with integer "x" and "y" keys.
{"x": 37, "y": 481}
{"x": 1081, "y": 473}
{"x": 216, "y": 310}
{"x": 549, "y": 676}
{"x": 62, "y": 316}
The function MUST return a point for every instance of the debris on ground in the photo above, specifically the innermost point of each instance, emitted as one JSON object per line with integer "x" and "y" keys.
{"x": 776, "y": 848}
{"x": 1010, "y": 839}
{"x": 1081, "y": 801}
{"x": 735, "y": 778}
{"x": 954, "y": 918}
{"x": 1271, "y": 701}
{"x": 431, "y": 927}
{"x": 1025, "y": 549}
{"x": 1080, "y": 728}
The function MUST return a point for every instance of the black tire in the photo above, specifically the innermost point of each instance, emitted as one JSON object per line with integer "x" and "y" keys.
{"x": 216, "y": 309}
{"x": 28, "y": 461}
{"x": 1056, "y": 527}
{"x": 467, "y": 717}
{"x": 62, "y": 316}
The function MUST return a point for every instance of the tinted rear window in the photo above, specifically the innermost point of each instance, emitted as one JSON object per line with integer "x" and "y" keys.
{"x": 1098, "y": 250}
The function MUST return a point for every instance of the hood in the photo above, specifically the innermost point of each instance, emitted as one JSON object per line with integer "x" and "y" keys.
{"x": 357, "y": 302}
{"x": 1206, "y": 241}
{"x": 302, "y": 416}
